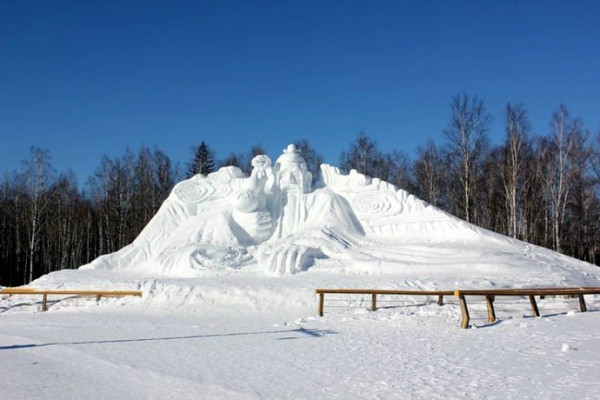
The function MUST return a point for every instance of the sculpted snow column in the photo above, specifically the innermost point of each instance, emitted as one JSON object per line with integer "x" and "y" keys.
{"x": 306, "y": 221}
{"x": 253, "y": 204}
{"x": 293, "y": 181}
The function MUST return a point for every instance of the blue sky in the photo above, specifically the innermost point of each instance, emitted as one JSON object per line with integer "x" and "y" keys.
{"x": 85, "y": 78}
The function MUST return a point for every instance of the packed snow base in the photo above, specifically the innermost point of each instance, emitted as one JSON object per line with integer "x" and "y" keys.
{"x": 228, "y": 266}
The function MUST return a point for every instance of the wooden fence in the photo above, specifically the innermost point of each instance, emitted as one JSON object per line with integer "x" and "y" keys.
{"x": 45, "y": 292}
{"x": 489, "y": 295}
{"x": 375, "y": 292}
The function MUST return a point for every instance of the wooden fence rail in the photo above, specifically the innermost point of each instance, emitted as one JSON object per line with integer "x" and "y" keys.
{"x": 45, "y": 292}
{"x": 489, "y": 294}
{"x": 375, "y": 292}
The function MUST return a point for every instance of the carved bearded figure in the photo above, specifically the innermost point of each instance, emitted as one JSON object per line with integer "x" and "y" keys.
{"x": 275, "y": 208}
{"x": 299, "y": 213}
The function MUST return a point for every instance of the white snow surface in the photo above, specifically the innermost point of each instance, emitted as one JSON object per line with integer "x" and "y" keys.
{"x": 221, "y": 319}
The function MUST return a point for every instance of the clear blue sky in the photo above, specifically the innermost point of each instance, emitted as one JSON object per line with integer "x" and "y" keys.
{"x": 86, "y": 78}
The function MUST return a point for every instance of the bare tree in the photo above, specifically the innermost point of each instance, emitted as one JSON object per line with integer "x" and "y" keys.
{"x": 363, "y": 157}
{"x": 165, "y": 177}
{"x": 312, "y": 157}
{"x": 513, "y": 167}
{"x": 555, "y": 169}
{"x": 65, "y": 238}
{"x": 37, "y": 178}
{"x": 579, "y": 215}
{"x": 12, "y": 205}
{"x": 595, "y": 158}
{"x": 144, "y": 201}
{"x": 113, "y": 189}
{"x": 399, "y": 171}
{"x": 428, "y": 169}
{"x": 466, "y": 137}
{"x": 234, "y": 160}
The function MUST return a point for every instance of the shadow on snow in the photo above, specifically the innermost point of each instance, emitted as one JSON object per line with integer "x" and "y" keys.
{"x": 302, "y": 333}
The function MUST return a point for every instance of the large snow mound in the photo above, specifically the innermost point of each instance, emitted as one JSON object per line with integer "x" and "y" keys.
{"x": 278, "y": 222}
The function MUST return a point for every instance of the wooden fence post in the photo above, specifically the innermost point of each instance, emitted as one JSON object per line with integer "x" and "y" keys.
{"x": 45, "y": 302}
{"x": 464, "y": 310}
{"x": 373, "y": 302}
{"x": 534, "y": 307}
{"x": 490, "y": 306}
{"x": 440, "y": 300}
{"x": 321, "y": 301}
{"x": 582, "y": 306}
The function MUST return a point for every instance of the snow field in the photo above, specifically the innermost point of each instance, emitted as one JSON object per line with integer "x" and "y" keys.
{"x": 246, "y": 335}
{"x": 404, "y": 350}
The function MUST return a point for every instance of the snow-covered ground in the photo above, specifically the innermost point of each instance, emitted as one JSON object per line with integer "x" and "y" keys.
{"x": 243, "y": 334}
{"x": 410, "y": 348}
{"x": 228, "y": 266}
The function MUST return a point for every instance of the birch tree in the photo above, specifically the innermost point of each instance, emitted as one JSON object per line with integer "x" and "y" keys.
{"x": 580, "y": 222}
{"x": 428, "y": 169}
{"x": 144, "y": 200}
{"x": 165, "y": 176}
{"x": 513, "y": 167}
{"x": 37, "y": 178}
{"x": 555, "y": 168}
{"x": 466, "y": 137}
{"x": 363, "y": 156}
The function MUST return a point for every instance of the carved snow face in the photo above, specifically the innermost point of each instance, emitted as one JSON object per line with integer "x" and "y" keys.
{"x": 292, "y": 179}
{"x": 292, "y": 173}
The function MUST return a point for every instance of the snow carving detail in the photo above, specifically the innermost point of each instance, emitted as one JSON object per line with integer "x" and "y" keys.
{"x": 275, "y": 218}
{"x": 221, "y": 180}
{"x": 375, "y": 203}
{"x": 333, "y": 179}
{"x": 194, "y": 191}
{"x": 217, "y": 185}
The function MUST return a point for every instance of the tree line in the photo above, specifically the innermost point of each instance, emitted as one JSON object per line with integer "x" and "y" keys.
{"x": 543, "y": 189}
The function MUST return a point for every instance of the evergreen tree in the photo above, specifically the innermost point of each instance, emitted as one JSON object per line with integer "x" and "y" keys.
{"x": 203, "y": 162}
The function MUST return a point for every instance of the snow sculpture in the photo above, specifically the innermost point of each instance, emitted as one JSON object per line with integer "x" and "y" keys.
{"x": 293, "y": 181}
{"x": 275, "y": 219}
{"x": 301, "y": 212}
